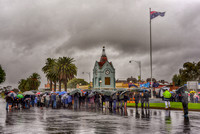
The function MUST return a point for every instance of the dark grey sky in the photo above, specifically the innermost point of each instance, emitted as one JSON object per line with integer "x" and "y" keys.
{"x": 31, "y": 31}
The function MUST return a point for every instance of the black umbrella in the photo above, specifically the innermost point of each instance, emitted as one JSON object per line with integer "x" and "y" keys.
{"x": 181, "y": 89}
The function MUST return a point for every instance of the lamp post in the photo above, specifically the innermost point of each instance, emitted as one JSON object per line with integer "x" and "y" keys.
{"x": 88, "y": 75}
{"x": 139, "y": 63}
{"x": 100, "y": 84}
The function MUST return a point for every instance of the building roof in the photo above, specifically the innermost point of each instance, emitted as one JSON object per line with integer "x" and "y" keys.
{"x": 103, "y": 58}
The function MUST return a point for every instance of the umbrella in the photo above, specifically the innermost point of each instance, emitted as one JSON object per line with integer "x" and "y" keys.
{"x": 28, "y": 93}
{"x": 12, "y": 94}
{"x": 107, "y": 92}
{"x": 38, "y": 93}
{"x": 192, "y": 92}
{"x": 181, "y": 89}
{"x": 124, "y": 92}
{"x": 63, "y": 92}
{"x": 143, "y": 90}
{"x": 91, "y": 94}
{"x": 34, "y": 91}
{"x": 75, "y": 91}
{"x": 20, "y": 96}
{"x": 135, "y": 90}
{"x": 121, "y": 90}
{"x": 97, "y": 91}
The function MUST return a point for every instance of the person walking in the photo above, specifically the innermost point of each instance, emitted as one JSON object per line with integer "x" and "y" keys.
{"x": 142, "y": 100}
{"x": 137, "y": 98}
{"x": 196, "y": 98}
{"x": 146, "y": 99}
{"x": 69, "y": 99}
{"x": 47, "y": 100}
{"x": 114, "y": 97}
{"x": 126, "y": 98}
{"x": 167, "y": 95}
{"x": 42, "y": 101}
{"x": 9, "y": 102}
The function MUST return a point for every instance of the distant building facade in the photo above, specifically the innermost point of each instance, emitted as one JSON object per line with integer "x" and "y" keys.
{"x": 103, "y": 73}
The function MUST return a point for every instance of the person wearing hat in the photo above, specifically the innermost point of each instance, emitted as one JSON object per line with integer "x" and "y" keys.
{"x": 167, "y": 95}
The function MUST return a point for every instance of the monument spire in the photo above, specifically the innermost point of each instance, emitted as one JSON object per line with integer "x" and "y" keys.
{"x": 103, "y": 51}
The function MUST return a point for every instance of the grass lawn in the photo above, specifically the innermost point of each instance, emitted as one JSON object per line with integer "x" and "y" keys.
{"x": 175, "y": 105}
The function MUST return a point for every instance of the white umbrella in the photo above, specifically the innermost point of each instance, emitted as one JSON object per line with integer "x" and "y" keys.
{"x": 28, "y": 93}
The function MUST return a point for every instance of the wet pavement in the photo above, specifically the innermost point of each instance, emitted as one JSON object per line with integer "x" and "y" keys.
{"x": 49, "y": 120}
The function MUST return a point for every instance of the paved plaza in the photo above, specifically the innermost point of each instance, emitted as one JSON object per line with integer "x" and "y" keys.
{"x": 35, "y": 120}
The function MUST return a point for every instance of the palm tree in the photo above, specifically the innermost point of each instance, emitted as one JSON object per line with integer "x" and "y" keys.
{"x": 34, "y": 81}
{"x": 22, "y": 84}
{"x": 48, "y": 69}
{"x": 67, "y": 70}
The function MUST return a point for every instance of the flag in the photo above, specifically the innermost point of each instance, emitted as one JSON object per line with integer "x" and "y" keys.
{"x": 154, "y": 14}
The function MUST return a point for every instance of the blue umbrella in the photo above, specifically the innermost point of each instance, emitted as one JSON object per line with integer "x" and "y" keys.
{"x": 63, "y": 92}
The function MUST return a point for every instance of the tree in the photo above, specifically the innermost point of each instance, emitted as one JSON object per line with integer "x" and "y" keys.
{"x": 2, "y": 75}
{"x": 72, "y": 83}
{"x": 50, "y": 70}
{"x": 177, "y": 80}
{"x": 31, "y": 83}
{"x": 22, "y": 85}
{"x": 67, "y": 70}
{"x": 34, "y": 81}
{"x": 189, "y": 72}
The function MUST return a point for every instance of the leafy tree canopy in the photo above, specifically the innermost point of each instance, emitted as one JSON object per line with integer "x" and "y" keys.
{"x": 31, "y": 83}
{"x": 72, "y": 83}
{"x": 2, "y": 75}
{"x": 189, "y": 72}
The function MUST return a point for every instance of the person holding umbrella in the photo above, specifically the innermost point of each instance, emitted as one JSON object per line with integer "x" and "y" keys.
{"x": 184, "y": 94}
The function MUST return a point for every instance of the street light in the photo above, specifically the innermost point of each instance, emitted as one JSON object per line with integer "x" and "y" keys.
{"x": 139, "y": 63}
{"x": 88, "y": 75}
{"x": 100, "y": 84}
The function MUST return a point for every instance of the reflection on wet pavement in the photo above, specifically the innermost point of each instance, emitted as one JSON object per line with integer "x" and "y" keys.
{"x": 50, "y": 120}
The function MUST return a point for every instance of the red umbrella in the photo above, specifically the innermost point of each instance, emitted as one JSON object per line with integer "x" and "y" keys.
{"x": 38, "y": 93}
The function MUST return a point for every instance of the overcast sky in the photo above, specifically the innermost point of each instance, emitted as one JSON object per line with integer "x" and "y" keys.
{"x": 33, "y": 30}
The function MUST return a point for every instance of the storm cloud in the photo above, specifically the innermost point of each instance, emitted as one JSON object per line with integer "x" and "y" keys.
{"x": 32, "y": 31}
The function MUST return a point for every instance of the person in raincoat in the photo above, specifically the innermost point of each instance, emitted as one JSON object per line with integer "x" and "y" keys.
{"x": 142, "y": 100}
{"x": 69, "y": 101}
{"x": 146, "y": 99}
{"x": 114, "y": 97}
{"x": 184, "y": 95}
{"x": 137, "y": 98}
{"x": 126, "y": 98}
{"x": 9, "y": 102}
{"x": 167, "y": 95}
{"x": 76, "y": 100}
{"x": 47, "y": 100}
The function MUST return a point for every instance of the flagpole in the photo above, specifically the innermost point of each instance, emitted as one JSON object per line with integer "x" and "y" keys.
{"x": 151, "y": 54}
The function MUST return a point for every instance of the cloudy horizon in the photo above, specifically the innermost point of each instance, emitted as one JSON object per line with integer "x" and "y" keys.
{"x": 32, "y": 31}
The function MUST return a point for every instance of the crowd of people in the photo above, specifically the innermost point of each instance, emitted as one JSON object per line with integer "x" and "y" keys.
{"x": 88, "y": 99}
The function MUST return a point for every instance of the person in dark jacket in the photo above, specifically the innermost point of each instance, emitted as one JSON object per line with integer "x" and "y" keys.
{"x": 102, "y": 100}
{"x": 9, "y": 103}
{"x": 137, "y": 98}
{"x": 142, "y": 100}
{"x": 126, "y": 98}
{"x": 146, "y": 99}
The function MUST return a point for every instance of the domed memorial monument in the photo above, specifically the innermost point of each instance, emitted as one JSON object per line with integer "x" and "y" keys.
{"x": 103, "y": 73}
